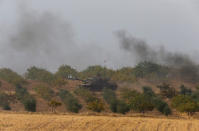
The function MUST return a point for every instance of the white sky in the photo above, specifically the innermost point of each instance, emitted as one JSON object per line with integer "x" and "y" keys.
{"x": 172, "y": 23}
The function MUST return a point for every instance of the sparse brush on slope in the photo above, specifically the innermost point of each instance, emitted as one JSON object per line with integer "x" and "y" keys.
{"x": 71, "y": 103}
{"x": 11, "y": 76}
{"x": 39, "y": 74}
{"x": 25, "y": 98}
{"x": 117, "y": 106}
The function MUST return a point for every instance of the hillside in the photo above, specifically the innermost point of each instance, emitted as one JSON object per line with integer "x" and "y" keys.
{"x": 147, "y": 88}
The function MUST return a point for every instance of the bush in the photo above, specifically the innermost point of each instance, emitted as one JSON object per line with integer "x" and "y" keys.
{"x": 20, "y": 92}
{"x": 167, "y": 91}
{"x": 39, "y": 74}
{"x": 122, "y": 107}
{"x": 125, "y": 74}
{"x": 54, "y": 104}
{"x": 29, "y": 103}
{"x": 70, "y": 101}
{"x": 116, "y": 105}
{"x": 144, "y": 69}
{"x": 44, "y": 91}
{"x": 11, "y": 76}
{"x": 141, "y": 103}
{"x": 85, "y": 94}
{"x": 6, "y": 107}
{"x": 128, "y": 94}
{"x": 93, "y": 71}
{"x": 167, "y": 111}
{"x": 184, "y": 103}
{"x": 148, "y": 91}
{"x": 185, "y": 91}
{"x": 66, "y": 72}
{"x": 110, "y": 98}
{"x": 96, "y": 106}
{"x": 25, "y": 98}
{"x": 4, "y": 101}
{"x": 59, "y": 82}
{"x": 162, "y": 106}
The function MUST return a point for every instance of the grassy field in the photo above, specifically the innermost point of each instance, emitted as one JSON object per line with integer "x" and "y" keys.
{"x": 47, "y": 122}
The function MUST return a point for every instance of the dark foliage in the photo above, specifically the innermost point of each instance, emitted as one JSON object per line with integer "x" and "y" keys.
{"x": 99, "y": 83}
{"x": 25, "y": 98}
{"x": 167, "y": 91}
{"x": 141, "y": 103}
{"x": 70, "y": 101}
{"x": 185, "y": 91}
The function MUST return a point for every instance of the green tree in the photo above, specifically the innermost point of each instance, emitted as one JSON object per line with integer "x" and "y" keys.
{"x": 185, "y": 91}
{"x": 53, "y": 105}
{"x": 162, "y": 106}
{"x": 71, "y": 103}
{"x": 29, "y": 103}
{"x": 11, "y": 76}
{"x": 44, "y": 91}
{"x": 85, "y": 94}
{"x": 25, "y": 98}
{"x": 66, "y": 71}
{"x": 148, "y": 91}
{"x": 167, "y": 91}
{"x": 97, "y": 70}
{"x": 39, "y": 74}
{"x": 184, "y": 103}
{"x": 128, "y": 94}
{"x": 96, "y": 106}
{"x": 4, "y": 101}
{"x": 141, "y": 103}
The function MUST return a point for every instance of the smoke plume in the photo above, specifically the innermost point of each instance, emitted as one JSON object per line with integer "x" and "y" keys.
{"x": 144, "y": 52}
{"x": 45, "y": 40}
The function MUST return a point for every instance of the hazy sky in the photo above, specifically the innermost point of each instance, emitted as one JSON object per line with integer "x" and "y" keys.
{"x": 92, "y": 23}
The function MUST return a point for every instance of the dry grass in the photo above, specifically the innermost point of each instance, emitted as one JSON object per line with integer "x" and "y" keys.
{"x": 49, "y": 122}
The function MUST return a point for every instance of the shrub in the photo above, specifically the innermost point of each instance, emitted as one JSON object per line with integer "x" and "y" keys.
{"x": 20, "y": 92}
{"x": 116, "y": 105}
{"x": 65, "y": 72}
{"x": 4, "y": 101}
{"x": 93, "y": 71}
{"x": 44, "y": 91}
{"x": 54, "y": 104}
{"x": 167, "y": 91}
{"x": 185, "y": 91}
{"x": 39, "y": 74}
{"x": 7, "y": 107}
{"x": 122, "y": 107}
{"x": 128, "y": 94}
{"x": 167, "y": 111}
{"x": 25, "y": 98}
{"x": 146, "y": 68}
{"x": 184, "y": 103}
{"x": 11, "y": 76}
{"x": 29, "y": 103}
{"x": 85, "y": 94}
{"x": 148, "y": 91}
{"x": 70, "y": 101}
{"x": 96, "y": 106}
{"x": 59, "y": 81}
{"x": 110, "y": 98}
{"x": 141, "y": 103}
{"x": 125, "y": 74}
{"x": 162, "y": 106}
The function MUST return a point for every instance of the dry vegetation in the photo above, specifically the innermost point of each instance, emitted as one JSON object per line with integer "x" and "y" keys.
{"x": 49, "y": 122}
